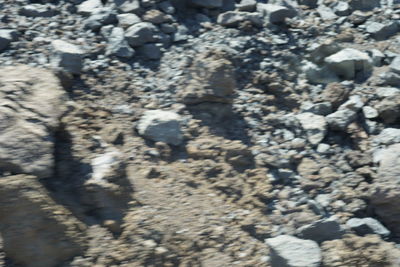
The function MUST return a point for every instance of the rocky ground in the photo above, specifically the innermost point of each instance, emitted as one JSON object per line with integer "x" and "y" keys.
{"x": 200, "y": 133}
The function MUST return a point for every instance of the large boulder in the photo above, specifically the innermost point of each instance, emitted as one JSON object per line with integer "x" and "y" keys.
{"x": 36, "y": 231}
{"x": 31, "y": 102}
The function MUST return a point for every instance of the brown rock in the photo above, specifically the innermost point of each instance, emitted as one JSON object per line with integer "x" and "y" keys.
{"x": 336, "y": 93}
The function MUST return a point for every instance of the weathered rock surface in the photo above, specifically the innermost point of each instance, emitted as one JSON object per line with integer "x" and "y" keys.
{"x": 67, "y": 56}
{"x": 322, "y": 230}
{"x": 31, "y": 104}
{"x": 365, "y": 226}
{"x": 36, "y": 231}
{"x": 315, "y": 126}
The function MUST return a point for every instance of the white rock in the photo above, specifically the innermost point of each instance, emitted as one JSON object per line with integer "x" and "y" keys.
{"x": 388, "y": 136}
{"x": 370, "y": 112}
{"x": 314, "y": 125}
{"x": 89, "y": 7}
{"x": 275, "y": 13}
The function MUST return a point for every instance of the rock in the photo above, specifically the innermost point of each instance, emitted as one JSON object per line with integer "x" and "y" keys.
{"x": 38, "y": 10}
{"x": 46, "y": 233}
{"x": 117, "y": 45}
{"x": 167, "y": 7}
{"x": 380, "y": 31}
{"x": 389, "y": 109}
{"x": 161, "y": 126}
{"x": 359, "y": 251}
{"x": 370, "y": 112}
{"x": 364, "y": 5}
{"x": 377, "y": 57}
{"x": 67, "y": 56}
{"x": 316, "y": 74}
{"x": 275, "y": 13}
{"x": 128, "y": 6}
{"x": 289, "y": 251}
{"x": 150, "y": 51}
{"x": 309, "y": 3}
{"x": 2, "y": 254}
{"x": 100, "y": 18}
{"x": 340, "y": 119}
{"x": 156, "y": 17}
{"x": 140, "y": 33}
{"x": 388, "y": 136}
{"x": 108, "y": 190}
{"x": 234, "y": 18}
{"x": 207, "y": 3}
{"x": 348, "y": 62}
{"x": 390, "y": 78}
{"x": 127, "y": 20}
{"x": 323, "y": 108}
{"x": 181, "y": 34}
{"x": 314, "y": 125}
{"x": 322, "y": 230}
{"x": 326, "y": 13}
{"x": 31, "y": 104}
{"x": 342, "y": 8}
{"x": 319, "y": 51}
{"x": 355, "y": 103}
{"x": 247, "y": 5}
{"x": 367, "y": 226}
{"x": 89, "y": 6}
{"x": 211, "y": 79}
{"x": 5, "y": 39}
{"x": 395, "y": 65}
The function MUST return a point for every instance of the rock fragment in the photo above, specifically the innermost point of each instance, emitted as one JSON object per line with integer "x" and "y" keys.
{"x": 247, "y": 5}
{"x": 364, "y": 5}
{"x": 314, "y": 125}
{"x": 161, "y": 126}
{"x": 67, "y": 56}
{"x": 207, "y": 3}
{"x": 140, "y": 33}
{"x": 117, "y": 45}
{"x": 381, "y": 31}
{"x": 289, "y": 251}
{"x": 5, "y": 39}
{"x": 234, "y": 18}
{"x": 365, "y": 226}
{"x": 128, "y": 6}
{"x": 395, "y": 65}
{"x": 276, "y": 13}
{"x": 322, "y": 230}
{"x": 37, "y": 10}
{"x": 127, "y": 20}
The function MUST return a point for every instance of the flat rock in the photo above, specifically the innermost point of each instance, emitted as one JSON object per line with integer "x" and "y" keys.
{"x": 388, "y": 136}
{"x": 67, "y": 56}
{"x": 38, "y": 10}
{"x": 31, "y": 104}
{"x": 322, "y": 230}
{"x": 89, "y": 6}
{"x": 36, "y": 231}
{"x": 234, "y": 18}
{"x": 365, "y": 226}
{"x": 347, "y": 62}
{"x": 117, "y": 45}
{"x": 289, "y": 251}
{"x": 161, "y": 126}
{"x": 128, "y": 6}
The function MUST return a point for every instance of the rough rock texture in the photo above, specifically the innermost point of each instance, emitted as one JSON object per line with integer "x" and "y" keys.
{"x": 46, "y": 233}
{"x": 31, "y": 104}
{"x": 369, "y": 251}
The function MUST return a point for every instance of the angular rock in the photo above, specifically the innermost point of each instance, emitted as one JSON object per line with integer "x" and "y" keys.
{"x": 289, "y": 251}
{"x": 140, "y": 33}
{"x": 117, "y": 45}
{"x": 234, "y": 18}
{"x": 322, "y": 230}
{"x": 207, "y": 3}
{"x": 37, "y": 10}
{"x": 340, "y": 119}
{"x": 319, "y": 51}
{"x": 5, "y": 39}
{"x": 67, "y": 56}
{"x": 156, "y": 17}
{"x": 342, "y": 8}
{"x": 395, "y": 65}
{"x": 389, "y": 109}
{"x": 380, "y": 31}
{"x": 370, "y": 112}
{"x": 364, "y": 5}
{"x": 36, "y": 231}
{"x": 247, "y": 5}
{"x": 275, "y": 13}
{"x": 161, "y": 126}
{"x": 323, "y": 108}
{"x": 100, "y": 18}
{"x": 88, "y": 7}
{"x": 150, "y": 51}
{"x": 127, "y": 20}
{"x": 316, "y": 74}
{"x": 365, "y": 226}
{"x": 388, "y": 136}
{"x": 348, "y": 62}
{"x": 326, "y": 13}
{"x": 309, "y": 3}
{"x": 128, "y": 6}
{"x": 31, "y": 102}
{"x": 314, "y": 125}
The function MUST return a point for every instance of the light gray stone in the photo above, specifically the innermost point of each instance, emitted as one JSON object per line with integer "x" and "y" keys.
{"x": 247, "y": 5}
{"x": 89, "y": 7}
{"x": 127, "y": 20}
{"x": 388, "y": 136}
{"x": 370, "y": 112}
{"x": 31, "y": 102}
{"x": 140, "y": 33}
{"x": 38, "y": 10}
{"x": 365, "y": 226}
{"x": 348, "y": 62}
{"x": 233, "y": 18}
{"x": 381, "y": 31}
{"x": 128, "y": 6}
{"x": 150, "y": 51}
{"x": 340, "y": 119}
{"x": 117, "y": 45}
{"x": 321, "y": 230}
{"x": 67, "y": 56}
{"x": 377, "y": 57}
{"x": 354, "y": 103}
{"x": 161, "y": 126}
{"x": 99, "y": 18}
{"x": 289, "y": 251}
{"x": 316, "y": 74}
{"x": 5, "y": 39}
{"x": 342, "y": 8}
{"x": 326, "y": 13}
{"x": 395, "y": 65}
{"x": 323, "y": 108}
{"x": 314, "y": 125}
{"x": 319, "y": 51}
{"x": 275, "y": 13}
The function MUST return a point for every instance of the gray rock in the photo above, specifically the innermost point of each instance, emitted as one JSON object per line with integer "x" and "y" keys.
{"x": 355, "y": 103}
{"x": 340, "y": 119}
{"x": 326, "y": 13}
{"x": 275, "y": 13}
{"x": 128, "y": 6}
{"x": 388, "y": 136}
{"x": 89, "y": 7}
{"x": 117, "y": 45}
{"x": 68, "y": 57}
{"x": 127, "y": 20}
{"x": 323, "y": 108}
{"x": 377, "y": 57}
{"x": 395, "y": 65}
{"x": 370, "y": 112}
{"x": 141, "y": 33}
{"x": 319, "y": 51}
{"x": 342, "y": 8}
{"x": 364, "y": 5}
{"x": 161, "y": 126}
{"x": 316, "y": 74}
{"x": 167, "y": 7}
{"x": 390, "y": 78}
{"x": 31, "y": 104}
{"x": 289, "y": 251}
{"x": 314, "y": 125}
{"x": 348, "y": 62}
{"x": 321, "y": 230}
{"x": 150, "y": 51}
{"x": 181, "y": 34}
{"x": 207, "y": 3}
{"x": 46, "y": 233}
{"x": 5, "y": 39}
{"x": 309, "y": 3}
{"x": 247, "y": 5}
{"x": 381, "y": 31}
{"x": 387, "y": 91}
{"x": 234, "y": 18}
{"x": 99, "y": 18}
{"x": 38, "y": 10}
{"x": 367, "y": 226}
